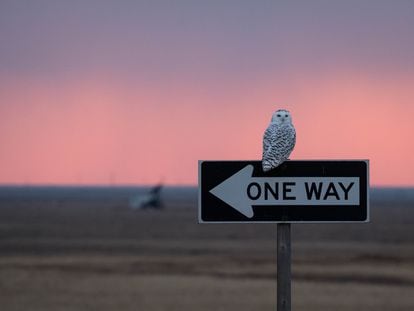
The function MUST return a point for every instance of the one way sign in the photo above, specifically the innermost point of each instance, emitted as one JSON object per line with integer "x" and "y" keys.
{"x": 296, "y": 191}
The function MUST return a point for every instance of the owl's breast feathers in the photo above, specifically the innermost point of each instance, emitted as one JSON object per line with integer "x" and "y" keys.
{"x": 278, "y": 143}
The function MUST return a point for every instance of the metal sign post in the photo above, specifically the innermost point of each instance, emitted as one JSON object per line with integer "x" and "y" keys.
{"x": 283, "y": 267}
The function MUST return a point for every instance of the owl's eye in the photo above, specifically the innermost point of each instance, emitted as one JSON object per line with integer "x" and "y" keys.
{"x": 278, "y": 115}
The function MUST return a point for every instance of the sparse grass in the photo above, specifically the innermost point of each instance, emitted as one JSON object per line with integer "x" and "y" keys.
{"x": 101, "y": 256}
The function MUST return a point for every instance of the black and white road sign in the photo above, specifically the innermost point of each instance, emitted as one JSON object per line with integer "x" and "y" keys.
{"x": 296, "y": 191}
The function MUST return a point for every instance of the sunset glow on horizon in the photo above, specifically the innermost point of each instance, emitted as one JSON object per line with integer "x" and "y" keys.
{"x": 149, "y": 110}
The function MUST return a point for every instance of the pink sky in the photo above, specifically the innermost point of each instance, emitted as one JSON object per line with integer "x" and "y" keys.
{"x": 138, "y": 93}
{"x": 95, "y": 132}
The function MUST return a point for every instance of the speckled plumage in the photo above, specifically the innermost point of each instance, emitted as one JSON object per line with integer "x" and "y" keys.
{"x": 278, "y": 141}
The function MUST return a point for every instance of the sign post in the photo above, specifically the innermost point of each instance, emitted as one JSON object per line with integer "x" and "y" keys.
{"x": 283, "y": 267}
{"x": 294, "y": 192}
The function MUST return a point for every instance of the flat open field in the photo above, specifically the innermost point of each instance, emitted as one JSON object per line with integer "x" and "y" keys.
{"x": 77, "y": 254}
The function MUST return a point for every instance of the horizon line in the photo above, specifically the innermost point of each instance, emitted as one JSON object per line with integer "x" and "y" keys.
{"x": 131, "y": 185}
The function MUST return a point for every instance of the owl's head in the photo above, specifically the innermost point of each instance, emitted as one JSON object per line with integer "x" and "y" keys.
{"x": 281, "y": 116}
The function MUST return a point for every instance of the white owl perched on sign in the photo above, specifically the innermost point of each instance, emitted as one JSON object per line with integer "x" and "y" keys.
{"x": 278, "y": 141}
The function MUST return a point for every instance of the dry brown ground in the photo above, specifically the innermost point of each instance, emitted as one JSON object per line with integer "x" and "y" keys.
{"x": 73, "y": 255}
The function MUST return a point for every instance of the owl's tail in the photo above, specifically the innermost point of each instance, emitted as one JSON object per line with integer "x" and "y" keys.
{"x": 267, "y": 165}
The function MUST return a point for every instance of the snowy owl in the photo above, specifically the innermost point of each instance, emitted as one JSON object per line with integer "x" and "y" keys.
{"x": 278, "y": 140}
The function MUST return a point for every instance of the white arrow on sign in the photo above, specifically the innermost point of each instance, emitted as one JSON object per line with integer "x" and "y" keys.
{"x": 229, "y": 191}
{"x": 241, "y": 191}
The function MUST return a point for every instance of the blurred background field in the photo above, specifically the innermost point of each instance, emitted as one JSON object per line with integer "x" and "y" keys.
{"x": 74, "y": 248}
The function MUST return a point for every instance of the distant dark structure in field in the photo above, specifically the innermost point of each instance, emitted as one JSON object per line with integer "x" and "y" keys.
{"x": 150, "y": 200}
